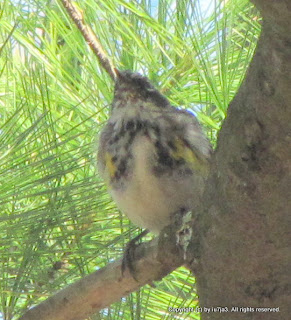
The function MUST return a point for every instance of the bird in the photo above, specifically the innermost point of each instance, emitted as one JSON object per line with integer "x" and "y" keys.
{"x": 153, "y": 157}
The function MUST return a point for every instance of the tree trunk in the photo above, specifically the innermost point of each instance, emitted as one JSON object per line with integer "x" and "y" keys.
{"x": 246, "y": 256}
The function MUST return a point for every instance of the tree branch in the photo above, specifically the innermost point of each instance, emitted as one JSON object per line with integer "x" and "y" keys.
{"x": 90, "y": 38}
{"x": 153, "y": 260}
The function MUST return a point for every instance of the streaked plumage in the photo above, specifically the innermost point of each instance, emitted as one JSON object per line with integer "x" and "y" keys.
{"x": 153, "y": 157}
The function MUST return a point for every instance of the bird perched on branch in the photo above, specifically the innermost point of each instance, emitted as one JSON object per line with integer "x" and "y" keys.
{"x": 152, "y": 156}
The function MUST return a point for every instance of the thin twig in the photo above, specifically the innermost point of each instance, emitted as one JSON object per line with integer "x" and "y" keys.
{"x": 90, "y": 38}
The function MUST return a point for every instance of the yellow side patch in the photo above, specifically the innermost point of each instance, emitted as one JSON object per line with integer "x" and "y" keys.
{"x": 111, "y": 167}
{"x": 184, "y": 152}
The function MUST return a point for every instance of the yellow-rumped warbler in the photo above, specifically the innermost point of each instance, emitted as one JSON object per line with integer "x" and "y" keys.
{"x": 153, "y": 156}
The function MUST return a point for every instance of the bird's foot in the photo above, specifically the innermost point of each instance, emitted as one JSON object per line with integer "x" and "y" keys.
{"x": 128, "y": 257}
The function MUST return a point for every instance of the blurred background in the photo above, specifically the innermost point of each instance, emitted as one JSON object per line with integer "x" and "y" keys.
{"x": 57, "y": 222}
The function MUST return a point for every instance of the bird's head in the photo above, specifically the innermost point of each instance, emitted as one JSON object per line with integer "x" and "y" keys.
{"x": 132, "y": 87}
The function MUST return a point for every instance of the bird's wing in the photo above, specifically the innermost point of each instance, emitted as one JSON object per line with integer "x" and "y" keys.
{"x": 191, "y": 139}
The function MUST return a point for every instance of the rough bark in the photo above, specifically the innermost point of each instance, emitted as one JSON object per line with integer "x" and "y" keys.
{"x": 245, "y": 227}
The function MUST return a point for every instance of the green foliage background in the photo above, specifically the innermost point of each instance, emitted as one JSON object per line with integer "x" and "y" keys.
{"x": 57, "y": 223}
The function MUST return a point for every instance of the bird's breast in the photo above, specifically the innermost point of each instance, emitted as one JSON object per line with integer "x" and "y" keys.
{"x": 142, "y": 197}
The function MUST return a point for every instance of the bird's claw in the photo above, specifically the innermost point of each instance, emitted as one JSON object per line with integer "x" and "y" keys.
{"x": 128, "y": 257}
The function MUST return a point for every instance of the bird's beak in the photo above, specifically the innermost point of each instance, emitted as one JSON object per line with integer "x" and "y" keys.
{"x": 118, "y": 73}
